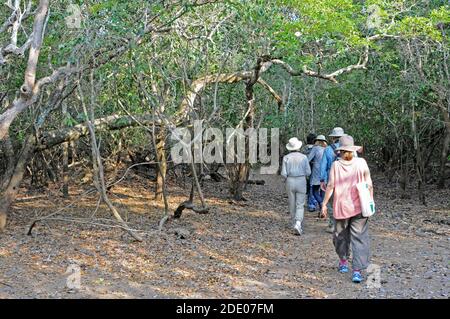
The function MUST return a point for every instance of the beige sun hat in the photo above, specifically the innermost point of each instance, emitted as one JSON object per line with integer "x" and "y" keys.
{"x": 337, "y": 132}
{"x": 294, "y": 144}
{"x": 346, "y": 143}
{"x": 320, "y": 138}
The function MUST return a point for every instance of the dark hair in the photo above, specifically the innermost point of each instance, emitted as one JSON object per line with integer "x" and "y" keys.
{"x": 310, "y": 138}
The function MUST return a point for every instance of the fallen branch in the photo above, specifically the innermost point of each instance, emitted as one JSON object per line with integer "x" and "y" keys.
{"x": 109, "y": 186}
{"x": 5, "y": 284}
{"x": 79, "y": 220}
{"x": 189, "y": 205}
{"x": 108, "y": 123}
{"x": 216, "y": 176}
{"x": 163, "y": 221}
{"x": 30, "y": 228}
{"x": 256, "y": 182}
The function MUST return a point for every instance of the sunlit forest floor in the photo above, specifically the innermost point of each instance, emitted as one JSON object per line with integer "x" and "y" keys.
{"x": 238, "y": 250}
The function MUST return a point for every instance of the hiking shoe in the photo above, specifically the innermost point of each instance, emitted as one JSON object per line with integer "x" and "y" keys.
{"x": 298, "y": 228}
{"x": 357, "y": 277}
{"x": 343, "y": 268}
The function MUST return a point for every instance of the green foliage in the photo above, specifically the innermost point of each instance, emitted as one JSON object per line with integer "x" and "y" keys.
{"x": 418, "y": 26}
{"x": 70, "y": 121}
{"x": 228, "y": 36}
{"x": 440, "y": 15}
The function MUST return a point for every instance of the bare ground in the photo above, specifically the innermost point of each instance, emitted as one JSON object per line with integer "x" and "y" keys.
{"x": 239, "y": 250}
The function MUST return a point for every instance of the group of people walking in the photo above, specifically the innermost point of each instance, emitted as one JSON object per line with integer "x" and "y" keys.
{"x": 324, "y": 176}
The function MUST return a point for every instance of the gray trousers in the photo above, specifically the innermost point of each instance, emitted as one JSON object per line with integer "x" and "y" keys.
{"x": 355, "y": 232}
{"x": 296, "y": 190}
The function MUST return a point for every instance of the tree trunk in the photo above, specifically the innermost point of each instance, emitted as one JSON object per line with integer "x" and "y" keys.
{"x": 9, "y": 152}
{"x": 97, "y": 165}
{"x": 162, "y": 167}
{"x": 445, "y": 149}
{"x": 65, "y": 188}
{"x": 419, "y": 164}
{"x": 404, "y": 172}
{"x": 73, "y": 154}
{"x": 242, "y": 177}
{"x": 239, "y": 175}
{"x": 14, "y": 181}
{"x": 420, "y": 168}
{"x": 29, "y": 90}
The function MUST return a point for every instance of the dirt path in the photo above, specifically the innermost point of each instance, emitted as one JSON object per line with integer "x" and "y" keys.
{"x": 237, "y": 251}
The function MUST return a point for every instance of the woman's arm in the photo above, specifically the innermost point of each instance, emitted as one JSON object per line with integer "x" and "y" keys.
{"x": 307, "y": 167}
{"x": 329, "y": 192}
{"x": 283, "y": 168}
{"x": 323, "y": 168}
{"x": 312, "y": 154}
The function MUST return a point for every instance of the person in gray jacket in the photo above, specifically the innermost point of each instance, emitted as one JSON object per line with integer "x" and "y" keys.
{"x": 295, "y": 169}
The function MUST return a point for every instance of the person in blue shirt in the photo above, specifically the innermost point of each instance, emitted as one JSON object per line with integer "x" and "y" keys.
{"x": 315, "y": 158}
{"x": 329, "y": 156}
{"x": 312, "y": 201}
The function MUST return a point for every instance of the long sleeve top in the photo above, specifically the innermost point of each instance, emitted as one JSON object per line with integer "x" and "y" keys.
{"x": 315, "y": 156}
{"x": 327, "y": 159}
{"x": 295, "y": 164}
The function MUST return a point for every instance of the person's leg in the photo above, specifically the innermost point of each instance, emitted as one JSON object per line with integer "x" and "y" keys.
{"x": 299, "y": 212}
{"x": 318, "y": 195}
{"x": 341, "y": 238}
{"x": 291, "y": 198}
{"x": 360, "y": 241}
{"x": 312, "y": 202}
{"x": 299, "y": 187}
{"x": 322, "y": 195}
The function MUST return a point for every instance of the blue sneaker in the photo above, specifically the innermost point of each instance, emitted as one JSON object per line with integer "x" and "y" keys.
{"x": 357, "y": 277}
{"x": 343, "y": 268}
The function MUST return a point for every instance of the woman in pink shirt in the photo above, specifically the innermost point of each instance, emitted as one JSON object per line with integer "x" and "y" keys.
{"x": 351, "y": 227}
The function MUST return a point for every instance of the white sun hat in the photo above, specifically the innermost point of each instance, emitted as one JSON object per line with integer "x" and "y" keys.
{"x": 320, "y": 138}
{"x": 294, "y": 144}
{"x": 337, "y": 132}
{"x": 346, "y": 143}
